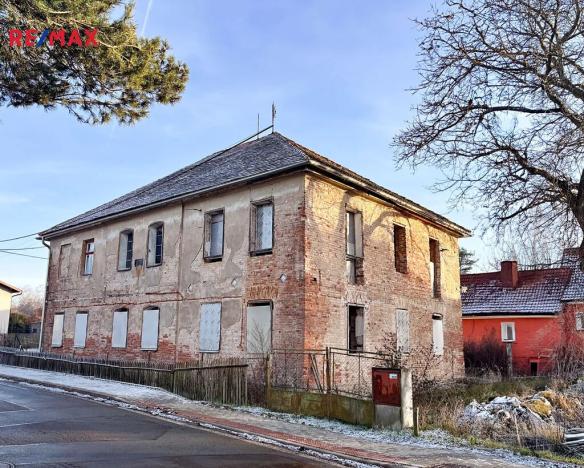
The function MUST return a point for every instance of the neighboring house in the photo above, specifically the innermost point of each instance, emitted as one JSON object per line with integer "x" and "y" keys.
{"x": 536, "y": 311}
{"x": 263, "y": 245}
{"x": 7, "y": 292}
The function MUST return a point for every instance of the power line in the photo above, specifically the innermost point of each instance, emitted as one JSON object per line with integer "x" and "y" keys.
{"x": 25, "y": 248}
{"x": 22, "y": 255}
{"x": 16, "y": 238}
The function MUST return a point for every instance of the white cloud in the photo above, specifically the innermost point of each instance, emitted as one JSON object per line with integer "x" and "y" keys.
{"x": 8, "y": 199}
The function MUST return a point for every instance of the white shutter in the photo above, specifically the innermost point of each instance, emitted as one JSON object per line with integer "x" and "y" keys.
{"x": 150, "y": 329}
{"x": 264, "y": 225}
{"x": 358, "y": 218}
{"x": 437, "y": 336}
{"x": 57, "y": 339}
{"x": 80, "y": 329}
{"x": 402, "y": 317}
{"x": 151, "y": 260}
{"x": 120, "y": 329}
{"x": 210, "y": 328}
{"x": 259, "y": 328}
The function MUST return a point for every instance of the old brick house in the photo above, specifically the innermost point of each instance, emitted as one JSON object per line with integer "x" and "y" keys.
{"x": 536, "y": 312}
{"x": 263, "y": 245}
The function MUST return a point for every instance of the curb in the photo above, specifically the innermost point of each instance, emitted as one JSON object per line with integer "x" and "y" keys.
{"x": 323, "y": 454}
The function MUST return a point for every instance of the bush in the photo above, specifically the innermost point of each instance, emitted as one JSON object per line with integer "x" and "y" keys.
{"x": 485, "y": 356}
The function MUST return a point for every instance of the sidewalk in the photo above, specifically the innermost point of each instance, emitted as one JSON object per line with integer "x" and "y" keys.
{"x": 353, "y": 445}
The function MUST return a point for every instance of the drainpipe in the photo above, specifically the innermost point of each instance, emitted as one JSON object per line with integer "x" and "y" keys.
{"x": 42, "y": 239}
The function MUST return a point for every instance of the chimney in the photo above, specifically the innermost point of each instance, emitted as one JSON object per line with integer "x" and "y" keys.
{"x": 509, "y": 275}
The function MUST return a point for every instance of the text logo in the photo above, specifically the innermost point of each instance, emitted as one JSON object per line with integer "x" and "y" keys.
{"x": 36, "y": 38}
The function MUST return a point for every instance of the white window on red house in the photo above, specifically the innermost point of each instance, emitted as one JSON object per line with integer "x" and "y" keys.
{"x": 120, "y": 328}
{"x": 210, "y": 327}
{"x": 580, "y": 321}
{"x": 437, "y": 335}
{"x": 402, "y": 330}
{"x": 88, "y": 253}
{"x": 150, "y": 318}
{"x": 80, "y": 329}
{"x": 57, "y": 338}
{"x": 508, "y": 332}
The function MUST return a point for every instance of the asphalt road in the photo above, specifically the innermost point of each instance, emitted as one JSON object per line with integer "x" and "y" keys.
{"x": 44, "y": 428}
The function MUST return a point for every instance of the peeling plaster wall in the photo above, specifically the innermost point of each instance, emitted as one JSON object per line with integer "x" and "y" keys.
{"x": 383, "y": 290}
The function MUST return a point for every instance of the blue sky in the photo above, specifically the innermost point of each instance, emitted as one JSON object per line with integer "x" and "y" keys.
{"x": 337, "y": 71}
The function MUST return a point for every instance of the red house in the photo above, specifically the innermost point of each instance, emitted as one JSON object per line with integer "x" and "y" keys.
{"x": 536, "y": 311}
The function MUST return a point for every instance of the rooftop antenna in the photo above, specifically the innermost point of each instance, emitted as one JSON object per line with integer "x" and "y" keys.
{"x": 273, "y": 116}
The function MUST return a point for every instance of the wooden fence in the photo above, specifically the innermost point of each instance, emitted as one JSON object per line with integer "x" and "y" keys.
{"x": 222, "y": 380}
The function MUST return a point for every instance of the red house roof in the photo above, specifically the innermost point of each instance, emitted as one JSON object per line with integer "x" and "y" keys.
{"x": 538, "y": 292}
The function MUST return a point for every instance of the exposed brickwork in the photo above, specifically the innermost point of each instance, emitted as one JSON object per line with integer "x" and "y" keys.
{"x": 304, "y": 277}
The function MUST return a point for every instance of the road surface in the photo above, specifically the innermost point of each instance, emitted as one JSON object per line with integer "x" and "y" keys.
{"x": 43, "y": 428}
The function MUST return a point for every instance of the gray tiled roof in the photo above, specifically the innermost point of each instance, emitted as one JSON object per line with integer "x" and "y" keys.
{"x": 538, "y": 292}
{"x": 253, "y": 160}
{"x": 575, "y": 289}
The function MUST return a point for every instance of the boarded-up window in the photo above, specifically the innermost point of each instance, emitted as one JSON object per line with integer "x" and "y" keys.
{"x": 210, "y": 328}
{"x": 126, "y": 250}
{"x": 57, "y": 338}
{"x": 434, "y": 267}
{"x": 259, "y": 328}
{"x": 356, "y": 328}
{"x": 262, "y": 227}
{"x": 354, "y": 246}
{"x": 508, "y": 331}
{"x": 400, "y": 248}
{"x": 155, "y": 244}
{"x": 120, "y": 328}
{"x": 64, "y": 260}
{"x": 214, "y": 223}
{"x": 580, "y": 321}
{"x": 402, "y": 330}
{"x": 88, "y": 253}
{"x": 437, "y": 335}
{"x": 80, "y": 329}
{"x": 150, "y": 319}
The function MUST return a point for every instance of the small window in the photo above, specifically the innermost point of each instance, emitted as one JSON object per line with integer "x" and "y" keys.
{"x": 120, "y": 328}
{"x": 214, "y": 235}
{"x": 434, "y": 267}
{"x": 508, "y": 331}
{"x": 126, "y": 250}
{"x": 80, "y": 329}
{"x": 402, "y": 330}
{"x": 354, "y": 247}
{"x": 88, "y": 253}
{"x": 64, "y": 260}
{"x": 356, "y": 329}
{"x": 155, "y": 244}
{"x": 259, "y": 328}
{"x": 437, "y": 335}
{"x": 150, "y": 318}
{"x": 57, "y": 338}
{"x": 210, "y": 328}
{"x": 580, "y": 321}
{"x": 400, "y": 248}
{"x": 262, "y": 227}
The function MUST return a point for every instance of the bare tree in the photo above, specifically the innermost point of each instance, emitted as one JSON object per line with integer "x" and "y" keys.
{"x": 502, "y": 111}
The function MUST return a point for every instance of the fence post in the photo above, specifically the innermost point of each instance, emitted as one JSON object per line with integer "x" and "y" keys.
{"x": 327, "y": 358}
{"x": 174, "y": 379}
{"x": 268, "y": 376}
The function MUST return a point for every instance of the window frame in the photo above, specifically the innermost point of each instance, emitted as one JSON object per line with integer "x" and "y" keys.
{"x": 151, "y": 227}
{"x": 435, "y": 319}
{"x": 125, "y": 232}
{"x": 77, "y": 314}
{"x": 127, "y": 312}
{"x": 253, "y": 227}
{"x": 259, "y": 303}
{"x": 503, "y": 327}
{"x": 64, "y": 262}
{"x": 396, "y": 257}
{"x": 85, "y": 255}
{"x": 218, "y": 350}
{"x": 354, "y": 262}
{"x": 207, "y": 257}
{"x": 362, "y": 309}
{"x": 399, "y": 346}
{"x": 435, "y": 275}
{"x": 62, "y": 331}
{"x": 579, "y": 321}
{"x": 142, "y": 348}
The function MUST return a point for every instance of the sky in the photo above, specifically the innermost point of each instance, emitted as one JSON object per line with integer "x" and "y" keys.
{"x": 338, "y": 72}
